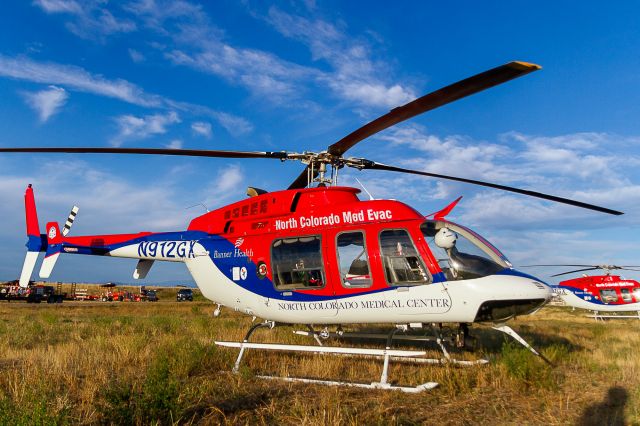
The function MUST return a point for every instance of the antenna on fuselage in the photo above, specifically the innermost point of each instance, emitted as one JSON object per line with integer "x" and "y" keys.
{"x": 196, "y": 205}
{"x": 365, "y": 189}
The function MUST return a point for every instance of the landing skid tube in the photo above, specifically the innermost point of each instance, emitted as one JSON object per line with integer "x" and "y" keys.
{"x": 387, "y": 354}
{"x": 509, "y": 331}
{"x": 599, "y": 316}
{"x": 447, "y": 359}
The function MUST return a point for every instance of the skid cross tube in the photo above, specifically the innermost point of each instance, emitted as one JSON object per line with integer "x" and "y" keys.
{"x": 269, "y": 324}
{"x": 385, "y": 365}
{"x": 440, "y": 342}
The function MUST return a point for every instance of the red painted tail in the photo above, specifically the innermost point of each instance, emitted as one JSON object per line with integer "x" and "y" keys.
{"x": 33, "y": 228}
{"x": 35, "y": 242}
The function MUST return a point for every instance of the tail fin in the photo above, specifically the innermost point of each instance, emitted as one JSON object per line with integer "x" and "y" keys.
{"x": 54, "y": 247}
{"x": 35, "y": 243}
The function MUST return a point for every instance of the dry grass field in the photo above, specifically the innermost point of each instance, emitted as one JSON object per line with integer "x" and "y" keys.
{"x": 148, "y": 363}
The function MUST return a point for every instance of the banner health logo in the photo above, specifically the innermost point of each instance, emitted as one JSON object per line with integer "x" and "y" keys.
{"x": 239, "y": 242}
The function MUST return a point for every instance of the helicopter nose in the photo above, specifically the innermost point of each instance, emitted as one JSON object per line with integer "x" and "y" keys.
{"x": 525, "y": 295}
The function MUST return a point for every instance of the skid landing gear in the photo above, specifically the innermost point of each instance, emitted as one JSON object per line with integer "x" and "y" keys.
{"x": 509, "y": 331}
{"x": 461, "y": 339}
{"x": 387, "y": 354}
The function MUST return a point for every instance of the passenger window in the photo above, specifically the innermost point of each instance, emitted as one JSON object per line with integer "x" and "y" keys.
{"x": 353, "y": 260}
{"x": 608, "y": 296}
{"x": 636, "y": 294}
{"x": 400, "y": 259}
{"x": 626, "y": 295}
{"x": 297, "y": 263}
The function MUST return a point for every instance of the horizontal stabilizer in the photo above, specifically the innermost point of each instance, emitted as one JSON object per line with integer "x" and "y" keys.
{"x": 142, "y": 268}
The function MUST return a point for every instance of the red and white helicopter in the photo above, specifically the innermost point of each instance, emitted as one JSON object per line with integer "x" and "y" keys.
{"x": 321, "y": 256}
{"x": 600, "y": 293}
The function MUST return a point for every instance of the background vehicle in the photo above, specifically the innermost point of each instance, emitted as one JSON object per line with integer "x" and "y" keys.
{"x": 600, "y": 293}
{"x": 184, "y": 294}
{"x": 152, "y": 296}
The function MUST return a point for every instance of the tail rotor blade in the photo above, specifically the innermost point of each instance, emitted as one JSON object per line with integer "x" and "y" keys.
{"x": 70, "y": 219}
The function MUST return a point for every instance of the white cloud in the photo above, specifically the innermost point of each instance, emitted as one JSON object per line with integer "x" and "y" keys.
{"x": 131, "y": 127}
{"x": 47, "y": 102}
{"x": 174, "y": 144}
{"x": 108, "y": 204}
{"x": 201, "y": 128}
{"x": 77, "y": 78}
{"x": 575, "y": 166}
{"x": 232, "y": 123}
{"x": 22, "y": 68}
{"x": 261, "y": 72}
{"x": 202, "y": 46}
{"x": 374, "y": 94}
{"x": 59, "y": 6}
{"x": 89, "y": 19}
{"x": 136, "y": 56}
{"x": 227, "y": 184}
{"x": 356, "y": 76}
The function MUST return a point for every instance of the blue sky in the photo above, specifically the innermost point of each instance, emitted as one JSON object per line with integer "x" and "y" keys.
{"x": 299, "y": 76}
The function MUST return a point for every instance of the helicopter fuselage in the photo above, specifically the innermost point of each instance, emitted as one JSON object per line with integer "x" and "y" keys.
{"x": 323, "y": 256}
{"x": 603, "y": 293}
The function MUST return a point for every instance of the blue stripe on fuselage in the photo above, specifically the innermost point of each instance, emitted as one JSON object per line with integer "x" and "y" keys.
{"x": 516, "y": 273}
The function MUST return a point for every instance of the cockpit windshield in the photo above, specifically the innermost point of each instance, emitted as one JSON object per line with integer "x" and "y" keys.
{"x": 461, "y": 253}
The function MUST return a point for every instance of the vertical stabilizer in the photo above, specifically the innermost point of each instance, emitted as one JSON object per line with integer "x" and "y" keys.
{"x": 35, "y": 241}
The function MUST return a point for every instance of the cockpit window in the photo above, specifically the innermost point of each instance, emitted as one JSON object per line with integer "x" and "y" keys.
{"x": 402, "y": 263}
{"x": 353, "y": 260}
{"x": 461, "y": 253}
{"x": 608, "y": 296}
{"x": 297, "y": 263}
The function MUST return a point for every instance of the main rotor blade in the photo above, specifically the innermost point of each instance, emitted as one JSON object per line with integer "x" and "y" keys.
{"x": 571, "y": 272}
{"x": 378, "y": 166}
{"x": 448, "y": 94}
{"x": 155, "y": 151}
{"x": 585, "y": 266}
{"x": 559, "y": 264}
{"x": 302, "y": 180}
